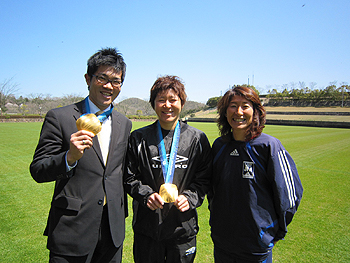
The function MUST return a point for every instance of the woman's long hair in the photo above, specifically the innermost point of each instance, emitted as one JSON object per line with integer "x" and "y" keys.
{"x": 259, "y": 115}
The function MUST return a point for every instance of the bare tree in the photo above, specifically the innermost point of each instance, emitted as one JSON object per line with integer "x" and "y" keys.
{"x": 313, "y": 85}
{"x": 284, "y": 86}
{"x": 7, "y": 89}
{"x": 121, "y": 108}
{"x": 38, "y": 100}
{"x": 302, "y": 85}
{"x": 71, "y": 98}
{"x": 293, "y": 85}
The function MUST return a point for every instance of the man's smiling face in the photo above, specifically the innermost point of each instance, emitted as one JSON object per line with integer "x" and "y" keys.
{"x": 103, "y": 95}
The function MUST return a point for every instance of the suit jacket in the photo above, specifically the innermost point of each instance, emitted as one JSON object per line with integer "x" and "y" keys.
{"x": 77, "y": 202}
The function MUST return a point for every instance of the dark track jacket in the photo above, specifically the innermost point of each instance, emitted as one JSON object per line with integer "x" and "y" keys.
{"x": 256, "y": 191}
{"x": 145, "y": 176}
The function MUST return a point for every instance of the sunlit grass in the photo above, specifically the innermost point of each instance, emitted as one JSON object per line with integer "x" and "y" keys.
{"x": 320, "y": 231}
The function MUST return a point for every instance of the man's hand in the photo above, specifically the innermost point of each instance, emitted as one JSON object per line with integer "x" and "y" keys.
{"x": 181, "y": 203}
{"x": 79, "y": 141}
{"x": 155, "y": 201}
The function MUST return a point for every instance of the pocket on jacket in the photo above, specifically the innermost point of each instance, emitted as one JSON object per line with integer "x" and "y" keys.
{"x": 67, "y": 202}
{"x": 267, "y": 235}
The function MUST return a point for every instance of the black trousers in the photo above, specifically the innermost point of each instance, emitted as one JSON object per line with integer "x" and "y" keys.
{"x": 148, "y": 250}
{"x": 104, "y": 252}
{"x": 222, "y": 256}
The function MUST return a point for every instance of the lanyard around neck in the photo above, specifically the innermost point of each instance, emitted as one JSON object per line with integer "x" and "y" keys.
{"x": 168, "y": 167}
{"x": 101, "y": 117}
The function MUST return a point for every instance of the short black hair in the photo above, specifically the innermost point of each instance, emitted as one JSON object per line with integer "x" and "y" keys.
{"x": 165, "y": 83}
{"x": 106, "y": 56}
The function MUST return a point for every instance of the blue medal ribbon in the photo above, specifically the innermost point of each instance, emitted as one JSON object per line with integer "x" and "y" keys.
{"x": 168, "y": 167}
{"x": 100, "y": 117}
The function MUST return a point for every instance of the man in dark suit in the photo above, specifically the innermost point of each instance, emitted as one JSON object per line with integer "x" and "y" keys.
{"x": 86, "y": 222}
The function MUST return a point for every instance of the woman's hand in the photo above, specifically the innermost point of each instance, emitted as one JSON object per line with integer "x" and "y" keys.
{"x": 181, "y": 203}
{"x": 155, "y": 201}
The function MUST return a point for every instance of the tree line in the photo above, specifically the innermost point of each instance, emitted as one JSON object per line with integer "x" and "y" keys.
{"x": 293, "y": 94}
{"x": 298, "y": 94}
{"x": 332, "y": 95}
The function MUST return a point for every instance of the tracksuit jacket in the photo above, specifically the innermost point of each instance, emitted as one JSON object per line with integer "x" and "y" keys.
{"x": 256, "y": 191}
{"x": 145, "y": 176}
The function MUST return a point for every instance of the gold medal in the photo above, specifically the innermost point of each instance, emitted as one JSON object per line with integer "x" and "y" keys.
{"x": 168, "y": 192}
{"x": 89, "y": 122}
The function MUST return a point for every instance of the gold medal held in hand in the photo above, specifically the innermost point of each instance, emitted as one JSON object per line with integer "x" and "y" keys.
{"x": 89, "y": 122}
{"x": 168, "y": 192}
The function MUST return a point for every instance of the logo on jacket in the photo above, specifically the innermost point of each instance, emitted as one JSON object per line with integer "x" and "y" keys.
{"x": 190, "y": 251}
{"x": 234, "y": 153}
{"x": 178, "y": 162}
{"x": 248, "y": 170}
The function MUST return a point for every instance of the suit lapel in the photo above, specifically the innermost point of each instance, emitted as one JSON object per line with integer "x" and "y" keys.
{"x": 114, "y": 137}
{"x": 79, "y": 109}
{"x": 97, "y": 149}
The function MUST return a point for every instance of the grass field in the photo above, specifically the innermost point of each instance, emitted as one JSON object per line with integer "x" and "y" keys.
{"x": 320, "y": 231}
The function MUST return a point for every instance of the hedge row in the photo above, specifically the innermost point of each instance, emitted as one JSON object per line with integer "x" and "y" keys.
{"x": 17, "y": 116}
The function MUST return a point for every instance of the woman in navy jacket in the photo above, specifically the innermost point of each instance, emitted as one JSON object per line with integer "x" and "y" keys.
{"x": 256, "y": 186}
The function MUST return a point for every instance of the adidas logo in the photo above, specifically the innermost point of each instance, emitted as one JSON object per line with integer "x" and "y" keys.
{"x": 234, "y": 153}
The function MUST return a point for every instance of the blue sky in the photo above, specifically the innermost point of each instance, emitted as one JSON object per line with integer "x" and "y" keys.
{"x": 211, "y": 45}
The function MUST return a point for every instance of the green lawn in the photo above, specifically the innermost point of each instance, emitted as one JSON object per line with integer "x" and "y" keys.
{"x": 320, "y": 231}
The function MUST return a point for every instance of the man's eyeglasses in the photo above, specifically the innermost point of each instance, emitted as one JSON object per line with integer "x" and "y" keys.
{"x": 103, "y": 80}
